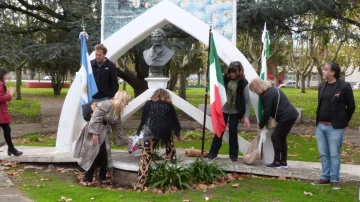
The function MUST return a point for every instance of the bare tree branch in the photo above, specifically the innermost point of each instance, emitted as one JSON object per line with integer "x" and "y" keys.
{"x": 14, "y": 8}
{"x": 42, "y": 7}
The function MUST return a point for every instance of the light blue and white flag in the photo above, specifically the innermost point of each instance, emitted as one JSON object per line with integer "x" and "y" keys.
{"x": 88, "y": 85}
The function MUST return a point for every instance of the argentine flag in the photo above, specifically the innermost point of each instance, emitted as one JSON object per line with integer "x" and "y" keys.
{"x": 88, "y": 85}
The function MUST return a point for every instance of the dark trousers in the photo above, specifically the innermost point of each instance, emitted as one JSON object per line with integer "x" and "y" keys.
{"x": 7, "y": 134}
{"x": 233, "y": 120}
{"x": 278, "y": 139}
{"x": 100, "y": 161}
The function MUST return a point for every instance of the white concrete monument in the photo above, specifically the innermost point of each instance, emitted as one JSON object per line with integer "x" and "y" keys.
{"x": 120, "y": 42}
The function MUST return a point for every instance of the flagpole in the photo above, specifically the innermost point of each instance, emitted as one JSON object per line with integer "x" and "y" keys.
{"x": 206, "y": 94}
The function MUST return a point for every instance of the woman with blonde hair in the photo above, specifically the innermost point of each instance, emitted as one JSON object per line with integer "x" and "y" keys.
{"x": 158, "y": 121}
{"x": 93, "y": 145}
{"x": 275, "y": 104}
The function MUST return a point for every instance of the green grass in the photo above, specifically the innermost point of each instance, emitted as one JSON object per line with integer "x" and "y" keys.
{"x": 250, "y": 189}
{"x": 300, "y": 147}
{"x": 25, "y": 110}
{"x": 195, "y": 96}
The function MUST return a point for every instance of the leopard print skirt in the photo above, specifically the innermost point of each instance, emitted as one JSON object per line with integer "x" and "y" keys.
{"x": 145, "y": 160}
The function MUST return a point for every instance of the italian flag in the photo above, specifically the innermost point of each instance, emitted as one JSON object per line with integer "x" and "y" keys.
{"x": 217, "y": 90}
{"x": 263, "y": 75}
{"x": 264, "y": 55}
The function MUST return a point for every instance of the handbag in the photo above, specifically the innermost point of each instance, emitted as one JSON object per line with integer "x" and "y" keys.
{"x": 272, "y": 121}
{"x": 252, "y": 153}
{"x": 88, "y": 109}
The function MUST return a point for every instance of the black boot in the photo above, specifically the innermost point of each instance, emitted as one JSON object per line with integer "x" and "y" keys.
{"x": 102, "y": 174}
{"x": 14, "y": 152}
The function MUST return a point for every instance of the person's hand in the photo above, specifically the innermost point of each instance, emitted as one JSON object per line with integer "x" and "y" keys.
{"x": 95, "y": 139}
{"x": 180, "y": 138}
{"x": 11, "y": 91}
{"x": 247, "y": 123}
{"x": 205, "y": 83}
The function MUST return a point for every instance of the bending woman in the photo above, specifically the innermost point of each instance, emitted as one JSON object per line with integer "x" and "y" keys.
{"x": 159, "y": 120}
{"x": 285, "y": 114}
{"x": 93, "y": 145}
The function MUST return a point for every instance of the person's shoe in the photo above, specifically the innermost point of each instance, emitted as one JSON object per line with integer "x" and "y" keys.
{"x": 273, "y": 165}
{"x": 335, "y": 185}
{"x": 284, "y": 165}
{"x": 87, "y": 180}
{"x": 102, "y": 174}
{"x": 233, "y": 160}
{"x": 14, "y": 152}
{"x": 211, "y": 157}
{"x": 321, "y": 182}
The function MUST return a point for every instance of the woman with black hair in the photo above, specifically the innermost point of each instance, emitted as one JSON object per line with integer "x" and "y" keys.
{"x": 236, "y": 108}
{"x": 5, "y": 118}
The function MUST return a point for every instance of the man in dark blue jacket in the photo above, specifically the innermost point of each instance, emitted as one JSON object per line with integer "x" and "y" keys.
{"x": 336, "y": 105}
{"x": 105, "y": 73}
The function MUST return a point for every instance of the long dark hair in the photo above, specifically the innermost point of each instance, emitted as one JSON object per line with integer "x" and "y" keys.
{"x": 236, "y": 67}
{"x": 2, "y": 74}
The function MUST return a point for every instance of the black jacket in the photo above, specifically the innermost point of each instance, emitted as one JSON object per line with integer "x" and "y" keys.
{"x": 342, "y": 104}
{"x": 105, "y": 78}
{"x": 160, "y": 117}
{"x": 240, "y": 99}
{"x": 286, "y": 111}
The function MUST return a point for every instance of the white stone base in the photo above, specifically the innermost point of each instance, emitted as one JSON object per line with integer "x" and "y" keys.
{"x": 156, "y": 82}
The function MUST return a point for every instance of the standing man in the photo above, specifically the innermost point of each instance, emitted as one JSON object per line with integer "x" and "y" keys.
{"x": 105, "y": 73}
{"x": 336, "y": 105}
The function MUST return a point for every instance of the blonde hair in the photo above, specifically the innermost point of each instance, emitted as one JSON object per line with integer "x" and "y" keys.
{"x": 118, "y": 103}
{"x": 161, "y": 95}
{"x": 259, "y": 86}
{"x": 101, "y": 47}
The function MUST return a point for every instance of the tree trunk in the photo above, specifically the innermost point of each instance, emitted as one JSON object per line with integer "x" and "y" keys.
{"x": 182, "y": 89}
{"x": 302, "y": 87}
{"x": 137, "y": 83}
{"x": 199, "y": 78}
{"x": 173, "y": 79}
{"x": 308, "y": 80}
{"x": 297, "y": 79}
{"x": 18, "y": 79}
{"x": 18, "y": 82}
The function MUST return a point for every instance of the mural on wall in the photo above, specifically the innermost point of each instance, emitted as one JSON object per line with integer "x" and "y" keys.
{"x": 117, "y": 13}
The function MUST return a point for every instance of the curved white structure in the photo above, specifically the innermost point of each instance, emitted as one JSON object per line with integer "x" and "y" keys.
{"x": 120, "y": 42}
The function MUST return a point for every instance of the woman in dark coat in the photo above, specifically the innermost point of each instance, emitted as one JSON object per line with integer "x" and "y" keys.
{"x": 285, "y": 114}
{"x": 5, "y": 118}
{"x": 159, "y": 121}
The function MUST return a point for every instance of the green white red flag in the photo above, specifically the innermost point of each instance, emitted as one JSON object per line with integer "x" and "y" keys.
{"x": 217, "y": 90}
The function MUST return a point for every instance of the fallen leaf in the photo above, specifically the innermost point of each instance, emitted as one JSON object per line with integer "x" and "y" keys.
{"x": 308, "y": 193}
{"x": 63, "y": 198}
{"x": 44, "y": 179}
{"x": 33, "y": 167}
{"x": 282, "y": 178}
{"x": 235, "y": 185}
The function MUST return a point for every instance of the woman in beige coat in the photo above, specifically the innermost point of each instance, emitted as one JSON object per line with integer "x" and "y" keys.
{"x": 93, "y": 145}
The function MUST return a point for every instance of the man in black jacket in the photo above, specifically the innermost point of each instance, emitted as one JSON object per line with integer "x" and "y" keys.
{"x": 105, "y": 74}
{"x": 336, "y": 105}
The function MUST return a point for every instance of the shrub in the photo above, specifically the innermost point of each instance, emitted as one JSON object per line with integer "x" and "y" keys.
{"x": 206, "y": 172}
{"x": 167, "y": 175}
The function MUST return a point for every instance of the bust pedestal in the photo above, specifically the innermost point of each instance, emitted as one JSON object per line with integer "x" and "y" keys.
{"x": 157, "y": 82}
